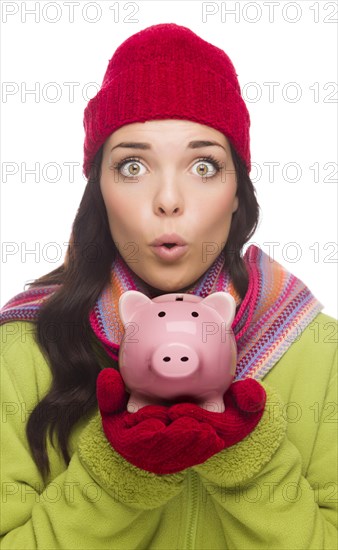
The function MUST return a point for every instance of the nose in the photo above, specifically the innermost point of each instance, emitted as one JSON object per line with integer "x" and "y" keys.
{"x": 169, "y": 201}
{"x": 168, "y": 210}
{"x": 174, "y": 361}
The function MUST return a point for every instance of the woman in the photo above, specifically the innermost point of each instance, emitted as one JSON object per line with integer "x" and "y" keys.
{"x": 167, "y": 152}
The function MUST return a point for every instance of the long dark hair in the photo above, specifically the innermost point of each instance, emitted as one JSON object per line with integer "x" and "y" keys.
{"x": 63, "y": 331}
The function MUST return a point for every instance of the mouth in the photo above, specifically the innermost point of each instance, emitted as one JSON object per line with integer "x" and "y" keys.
{"x": 169, "y": 240}
{"x": 170, "y": 251}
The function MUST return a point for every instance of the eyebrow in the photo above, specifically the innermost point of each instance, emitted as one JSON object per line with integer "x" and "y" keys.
{"x": 191, "y": 145}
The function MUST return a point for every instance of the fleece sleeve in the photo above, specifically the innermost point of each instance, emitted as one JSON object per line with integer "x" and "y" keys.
{"x": 262, "y": 498}
{"x": 98, "y": 501}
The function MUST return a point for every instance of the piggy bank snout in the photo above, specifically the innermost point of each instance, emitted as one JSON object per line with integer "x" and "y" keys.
{"x": 174, "y": 360}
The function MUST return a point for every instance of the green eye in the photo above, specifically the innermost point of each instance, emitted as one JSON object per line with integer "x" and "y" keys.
{"x": 133, "y": 170}
{"x": 209, "y": 160}
{"x": 133, "y": 164}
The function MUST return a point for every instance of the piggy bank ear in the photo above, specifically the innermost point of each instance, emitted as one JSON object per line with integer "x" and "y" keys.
{"x": 224, "y": 304}
{"x": 129, "y": 302}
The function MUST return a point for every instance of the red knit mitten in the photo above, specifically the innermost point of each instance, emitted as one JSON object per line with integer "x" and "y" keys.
{"x": 165, "y": 440}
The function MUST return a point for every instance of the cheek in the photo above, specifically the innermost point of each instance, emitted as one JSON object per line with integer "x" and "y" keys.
{"x": 225, "y": 207}
{"x": 115, "y": 206}
{"x": 228, "y": 202}
{"x": 124, "y": 215}
{"x": 219, "y": 209}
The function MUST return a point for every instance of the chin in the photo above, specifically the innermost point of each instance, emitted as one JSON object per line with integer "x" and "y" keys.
{"x": 167, "y": 290}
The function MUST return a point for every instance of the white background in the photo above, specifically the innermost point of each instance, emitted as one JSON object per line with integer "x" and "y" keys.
{"x": 295, "y": 43}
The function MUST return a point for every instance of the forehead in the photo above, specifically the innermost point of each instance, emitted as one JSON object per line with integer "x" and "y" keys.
{"x": 166, "y": 131}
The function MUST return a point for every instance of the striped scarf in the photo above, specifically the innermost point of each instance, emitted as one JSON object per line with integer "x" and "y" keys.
{"x": 275, "y": 310}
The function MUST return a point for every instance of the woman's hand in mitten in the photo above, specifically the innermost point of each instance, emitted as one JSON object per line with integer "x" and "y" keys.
{"x": 165, "y": 440}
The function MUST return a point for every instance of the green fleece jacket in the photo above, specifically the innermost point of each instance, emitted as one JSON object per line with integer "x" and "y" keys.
{"x": 276, "y": 489}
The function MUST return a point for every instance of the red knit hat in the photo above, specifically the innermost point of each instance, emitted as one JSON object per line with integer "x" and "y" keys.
{"x": 166, "y": 71}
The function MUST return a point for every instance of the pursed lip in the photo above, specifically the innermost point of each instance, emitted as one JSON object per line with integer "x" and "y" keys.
{"x": 172, "y": 238}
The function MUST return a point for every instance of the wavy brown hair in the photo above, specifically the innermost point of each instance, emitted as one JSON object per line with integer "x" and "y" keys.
{"x": 63, "y": 332}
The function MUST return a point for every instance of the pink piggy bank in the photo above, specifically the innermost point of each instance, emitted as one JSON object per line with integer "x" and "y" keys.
{"x": 177, "y": 347}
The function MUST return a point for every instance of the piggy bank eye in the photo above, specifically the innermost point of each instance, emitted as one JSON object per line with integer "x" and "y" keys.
{"x": 194, "y": 314}
{"x": 161, "y": 314}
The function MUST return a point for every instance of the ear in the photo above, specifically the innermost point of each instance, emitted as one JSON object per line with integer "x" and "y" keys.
{"x": 235, "y": 204}
{"x": 224, "y": 304}
{"x": 129, "y": 302}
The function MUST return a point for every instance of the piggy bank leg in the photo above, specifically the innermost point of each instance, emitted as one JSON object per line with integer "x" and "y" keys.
{"x": 137, "y": 401}
{"x": 213, "y": 403}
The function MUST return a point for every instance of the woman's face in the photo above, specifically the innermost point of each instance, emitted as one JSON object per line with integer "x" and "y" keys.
{"x": 161, "y": 184}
